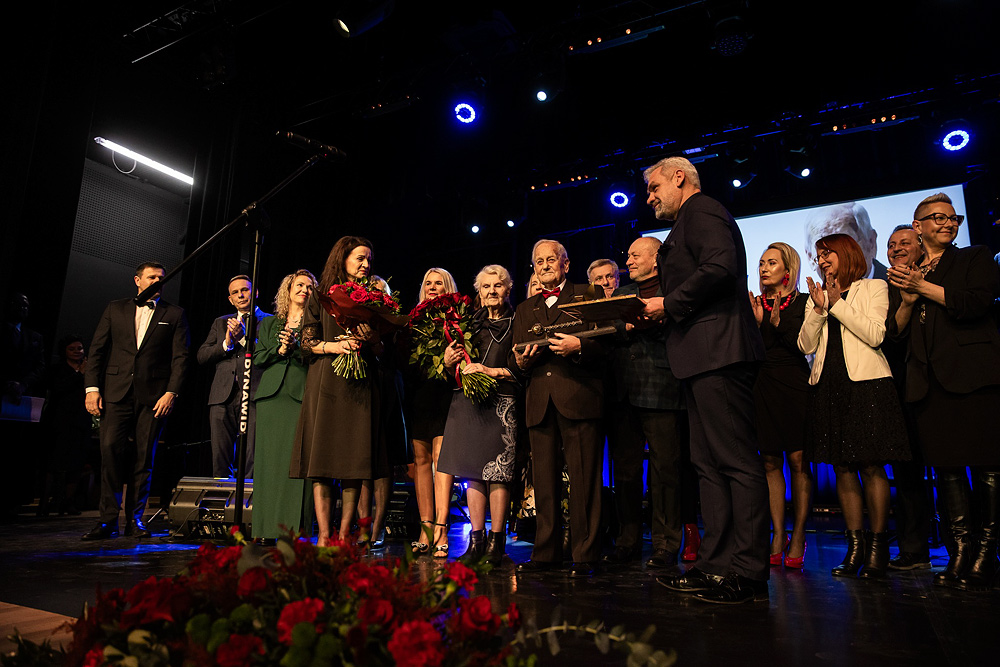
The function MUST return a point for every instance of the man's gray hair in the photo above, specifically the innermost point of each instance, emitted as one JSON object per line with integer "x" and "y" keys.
{"x": 597, "y": 263}
{"x": 671, "y": 164}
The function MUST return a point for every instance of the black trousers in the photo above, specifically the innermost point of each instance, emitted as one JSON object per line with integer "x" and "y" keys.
{"x": 224, "y": 423}
{"x": 629, "y": 429}
{"x": 913, "y": 516}
{"x": 734, "y": 501}
{"x": 581, "y": 444}
{"x": 129, "y": 433}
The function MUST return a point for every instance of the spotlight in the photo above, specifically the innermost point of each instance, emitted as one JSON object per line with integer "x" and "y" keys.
{"x": 541, "y": 96}
{"x": 361, "y": 17}
{"x": 956, "y": 140}
{"x": 741, "y": 170}
{"x": 797, "y": 154}
{"x": 619, "y": 199}
{"x": 731, "y": 36}
{"x": 465, "y": 112}
{"x": 510, "y": 223}
{"x": 475, "y": 229}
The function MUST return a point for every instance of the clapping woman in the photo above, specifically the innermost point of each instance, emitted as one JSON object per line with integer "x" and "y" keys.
{"x": 780, "y": 398}
{"x": 339, "y": 432}
{"x": 854, "y": 420}
{"x": 280, "y": 502}
{"x": 944, "y": 306}
{"x": 480, "y": 440}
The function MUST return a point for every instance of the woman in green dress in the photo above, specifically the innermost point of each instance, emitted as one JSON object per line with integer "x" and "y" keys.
{"x": 281, "y": 503}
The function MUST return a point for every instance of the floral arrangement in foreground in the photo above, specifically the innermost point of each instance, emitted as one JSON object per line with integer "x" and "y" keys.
{"x": 361, "y": 301}
{"x": 297, "y": 605}
{"x": 437, "y": 323}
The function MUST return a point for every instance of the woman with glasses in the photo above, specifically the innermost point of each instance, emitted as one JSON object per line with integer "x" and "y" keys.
{"x": 854, "y": 420}
{"x": 945, "y": 307}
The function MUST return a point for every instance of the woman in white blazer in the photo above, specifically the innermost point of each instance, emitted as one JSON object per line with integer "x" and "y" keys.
{"x": 854, "y": 421}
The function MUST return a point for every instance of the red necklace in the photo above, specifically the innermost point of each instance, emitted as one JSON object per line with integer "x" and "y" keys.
{"x": 784, "y": 304}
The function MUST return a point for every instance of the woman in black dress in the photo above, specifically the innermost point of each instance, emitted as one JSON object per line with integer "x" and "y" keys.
{"x": 945, "y": 306}
{"x": 780, "y": 398}
{"x": 480, "y": 440}
{"x": 854, "y": 420}
{"x": 340, "y": 432}
{"x": 426, "y": 409}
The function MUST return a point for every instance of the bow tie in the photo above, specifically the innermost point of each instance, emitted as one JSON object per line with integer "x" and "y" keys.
{"x": 149, "y": 304}
{"x": 546, "y": 293}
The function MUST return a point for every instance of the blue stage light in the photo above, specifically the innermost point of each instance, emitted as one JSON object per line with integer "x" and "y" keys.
{"x": 465, "y": 112}
{"x": 956, "y": 140}
{"x": 475, "y": 229}
{"x": 619, "y": 199}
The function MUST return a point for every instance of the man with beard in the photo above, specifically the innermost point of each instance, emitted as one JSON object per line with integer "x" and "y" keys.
{"x": 714, "y": 347}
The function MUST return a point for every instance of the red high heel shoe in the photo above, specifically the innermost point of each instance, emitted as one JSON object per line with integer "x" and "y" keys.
{"x": 777, "y": 558}
{"x": 798, "y": 562}
{"x": 692, "y": 542}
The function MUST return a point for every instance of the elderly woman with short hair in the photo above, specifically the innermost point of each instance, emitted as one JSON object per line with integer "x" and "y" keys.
{"x": 480, "y": 440}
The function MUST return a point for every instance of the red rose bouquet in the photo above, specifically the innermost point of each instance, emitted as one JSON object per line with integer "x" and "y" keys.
{"x": 437, "y": 323}
{"x": 361, "y": 301}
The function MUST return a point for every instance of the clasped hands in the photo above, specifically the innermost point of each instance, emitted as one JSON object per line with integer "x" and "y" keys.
{"x": 908, "y": 279}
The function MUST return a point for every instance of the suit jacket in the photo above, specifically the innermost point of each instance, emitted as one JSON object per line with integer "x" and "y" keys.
{"x": 703, "y": 273}
{"x": 157, "y": 366}
{"x": 228, "y": 365}
{"x": 274, "y": 367}
{"x": 958, "y": 341}
{"x": 862, "y": 328}
{"x": 575, "y": 386}
{"x": 640, "y": 368}
{"x": 22, "y": 358}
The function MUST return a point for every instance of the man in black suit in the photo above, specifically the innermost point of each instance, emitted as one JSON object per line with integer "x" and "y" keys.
{"x": 646, "y": 406}
{"x": 715, "y": 347}
{"x": 138, "y": 360}
{"x": 564, "y": 406}
{"x": 226, "y": 348}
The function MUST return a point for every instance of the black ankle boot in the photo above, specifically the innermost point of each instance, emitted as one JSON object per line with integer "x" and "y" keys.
{"x": 877, "y": 559}
{"x": 953, "y": 491}
{"x": 477, "y": 547}
{"x": 495, "y": 548}
{"x": 855, "y": 555}
{"x": 985, "y": 565}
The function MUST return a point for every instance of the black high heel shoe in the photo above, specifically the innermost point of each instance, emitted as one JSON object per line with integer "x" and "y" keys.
{"x": 855, "y": 556}
{"x": 421, "y": 548}
{"x": 496, "y": 546}
{"x": 477, "y": 547}
{"x": 441, "y": 550}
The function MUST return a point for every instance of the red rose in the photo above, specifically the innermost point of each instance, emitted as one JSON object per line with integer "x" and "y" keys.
{"x": 94, "y": 657}
{"x": 376, "y": 612}
{"x": 359, "y": 295}
{"x": 365, "y": 579}
{"x": 253, "y": 581}
{"x": 477, "y": 616}
{"x": 416, "y": 644}
{"x": 303, "y": 611}
{"x": 513, "y": 617}
{"x": 461, "y": 575}
{"x": 238, "y": 649}
{"x": 155, "y": 600}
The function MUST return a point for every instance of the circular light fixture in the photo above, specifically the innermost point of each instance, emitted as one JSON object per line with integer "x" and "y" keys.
{"x": 510, "y": 223}
{"x": 737, "y": 183}
{"x": 465, "y": 112}
{"x": 475, "y": 229}
{"x": 619, "y": 199}
{"x": 541, "y": 96}
{"x": 805, "y": 172}
{"x": 955, "y": 140}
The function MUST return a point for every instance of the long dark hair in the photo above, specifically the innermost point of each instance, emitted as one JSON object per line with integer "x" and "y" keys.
{"x": 334, "y": 271}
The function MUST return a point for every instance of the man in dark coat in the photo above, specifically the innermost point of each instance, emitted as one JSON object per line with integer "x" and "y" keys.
{"x": 138, "y": 360}
{"x": 225, "y": 347}
{"x": 563, "y": 410}
{"x": 715, "y": 347}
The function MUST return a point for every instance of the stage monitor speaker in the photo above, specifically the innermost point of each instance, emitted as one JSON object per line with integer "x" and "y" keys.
{"x": 402, "y": 521}
{"x": 205, "y": 507}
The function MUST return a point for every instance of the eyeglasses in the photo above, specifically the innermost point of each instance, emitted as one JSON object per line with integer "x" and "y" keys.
{"x": 941, "y": 218}
{"x": 824, "y": 253}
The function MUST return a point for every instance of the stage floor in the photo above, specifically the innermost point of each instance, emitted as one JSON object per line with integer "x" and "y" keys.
{"x": 812, "y": 617}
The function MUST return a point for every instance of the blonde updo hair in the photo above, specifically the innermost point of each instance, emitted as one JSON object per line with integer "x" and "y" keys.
{"x": 793, "y": 264}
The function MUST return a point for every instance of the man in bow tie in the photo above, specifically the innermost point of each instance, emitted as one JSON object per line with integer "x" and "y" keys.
{"x": 564, "y": 405}
{"x": 138, "y": 360}
{"x": 226, "y": 348}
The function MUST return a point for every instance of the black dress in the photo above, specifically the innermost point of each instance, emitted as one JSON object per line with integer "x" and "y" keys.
{"x": 853, "y": 423}
{"x": 480, "y": 439}
{"x": 781, "y": 393}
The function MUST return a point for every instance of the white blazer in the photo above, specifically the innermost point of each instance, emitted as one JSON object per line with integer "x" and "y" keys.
{"x": 862, "y": 328}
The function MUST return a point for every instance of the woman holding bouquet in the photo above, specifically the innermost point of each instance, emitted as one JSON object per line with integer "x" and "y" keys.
{"x": 427, "y": 401}
{"x": 279, "y": 500}
{"x": 339, "y": 433}
{"x": 480, "y": 438}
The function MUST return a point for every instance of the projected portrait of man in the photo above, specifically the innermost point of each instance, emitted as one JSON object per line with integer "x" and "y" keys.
{"x": 852, "y": 219}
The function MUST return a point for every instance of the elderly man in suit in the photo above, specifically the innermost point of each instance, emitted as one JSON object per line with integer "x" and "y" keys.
{"x": 647, "y": 405}
{"x": 225, "y": 347}
{"x": 138, "y": 361}
{"x": 715, "y": 347}
{"x": 564, "y": 406}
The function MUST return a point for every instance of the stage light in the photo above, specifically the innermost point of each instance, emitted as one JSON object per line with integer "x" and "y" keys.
{"x": 361, "y": 17}
{"x": 956, "y": 140}
{"x": 805, "y": 172}
{"x": 797, "y": 153}
{"x": 142, "y": 159}
{"x": 475, "y": 229}
{"x": 510, "y": 223}
{"x": 619, "y": 199}
{"x": 741, "y": 165}
{"x": 541, "y": 96}
{"x": 465, "y": 112}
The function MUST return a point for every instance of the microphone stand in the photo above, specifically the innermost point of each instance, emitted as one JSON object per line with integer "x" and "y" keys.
{"x": 253, "y": 215}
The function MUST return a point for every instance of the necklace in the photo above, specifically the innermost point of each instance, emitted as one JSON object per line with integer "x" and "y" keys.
{"x": 784, "y": 304}
{"x": 930, "y": 266}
